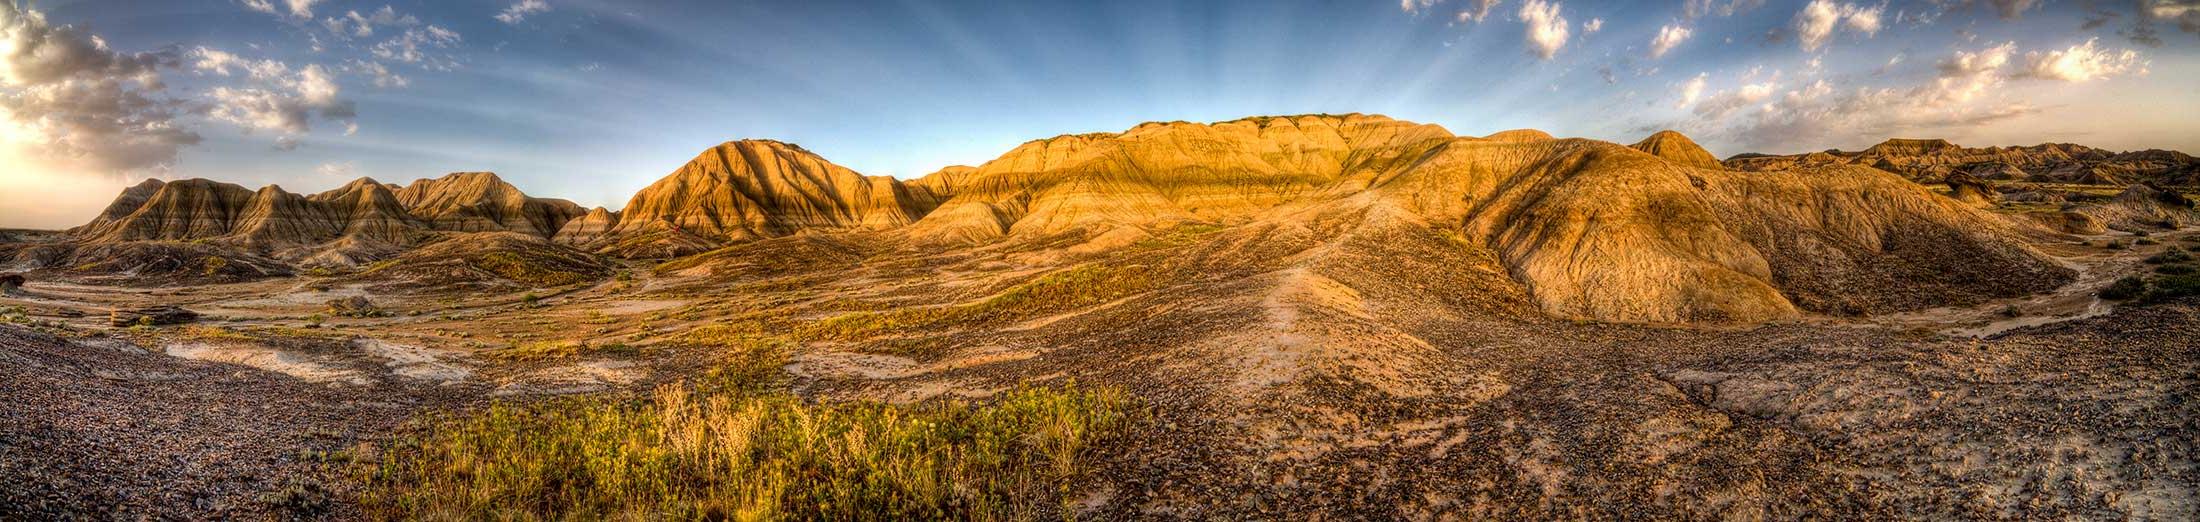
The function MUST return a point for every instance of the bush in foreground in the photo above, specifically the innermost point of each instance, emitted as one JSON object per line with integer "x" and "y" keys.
{"x": 717, "y": 454}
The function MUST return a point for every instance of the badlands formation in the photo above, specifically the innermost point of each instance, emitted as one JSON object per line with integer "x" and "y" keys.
{"x": 1350, "y": 316}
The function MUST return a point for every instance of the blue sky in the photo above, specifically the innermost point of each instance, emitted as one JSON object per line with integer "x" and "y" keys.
{"x": 591, "y": 100}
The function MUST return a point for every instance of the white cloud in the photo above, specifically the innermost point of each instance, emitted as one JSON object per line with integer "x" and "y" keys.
{"x": 282, "y": 101}
{"x": 381, "y": 74}
{"x": 2080, "y": 63}
{"x": 1815, "y": 24}
{"x": 2011, "y": 9}
{"x": 419, "y": 47}
{"x": 1476, "y": 10}
{"x": 1668, "y": 37}
{"x": 214, "y": 61}
{"x": 335, "y": 169}
{"x": 519, "y": 11}
{"x": 1547, "y": 31}
{"x": 1594, "y": 25}
{"x": 1694, "y": 9}
{"x": 68, "y": 103}
{"x": 1693, "y": 90}
{"x": 297, "y": 8}
{"x": 1409, "y": 6}
{"x": 355, "y": 25}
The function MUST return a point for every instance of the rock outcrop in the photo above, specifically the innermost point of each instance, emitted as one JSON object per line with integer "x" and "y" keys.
{"x": 1971, "y": 190}
{"x": 590, "y": 228}
{"x": 754, "y": 189}
{"x": 359, "y": 222}
{"x": 1932, "y": 160}
{"x": 151, "y": 316}
{"x": 1677, "y": 148}
{"x": 482, "y": 202}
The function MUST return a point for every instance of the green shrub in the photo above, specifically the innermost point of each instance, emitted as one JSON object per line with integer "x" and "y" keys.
{"x": 2172, "y": 287}
{"x": 2172, "y": 256}
{"x": 2174, "y": 269}
{"x": 2126, "y": 288}
{"x": 684, "y": 455}
{"x": 2116, "y": 245}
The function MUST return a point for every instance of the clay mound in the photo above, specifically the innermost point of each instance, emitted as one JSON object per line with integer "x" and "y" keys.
{"x": 149, "y": 262}
{"x": 754, "y": 189}
{"x": 1600, "y": 232}
{"x": 588, "y": 229}
{"x": 1971, "y": 191}
{"x": 483, "y": 261}
{"x": 2141, "y": 208}
{"x": 1675, "y": 147}
{"x": 483, "y": 202}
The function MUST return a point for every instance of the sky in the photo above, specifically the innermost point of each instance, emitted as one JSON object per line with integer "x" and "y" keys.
{"x": 591, "y": 100}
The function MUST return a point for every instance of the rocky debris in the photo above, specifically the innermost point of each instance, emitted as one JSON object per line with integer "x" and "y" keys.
{"x": 354, "y": 306}
{"x": 151, "y": 316}
{"x": 100, "y": 429}
{"x": 10, "y": 283}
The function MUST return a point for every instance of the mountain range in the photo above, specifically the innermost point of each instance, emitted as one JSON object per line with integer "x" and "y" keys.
{"x": 1659, "y": 231}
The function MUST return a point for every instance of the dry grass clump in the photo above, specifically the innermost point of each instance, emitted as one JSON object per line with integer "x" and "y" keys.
{"x": 553, "y": 350}
{"x": 688, "y": 454}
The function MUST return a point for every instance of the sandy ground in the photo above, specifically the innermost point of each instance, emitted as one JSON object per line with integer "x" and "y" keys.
{"x": 1288, "y": 386}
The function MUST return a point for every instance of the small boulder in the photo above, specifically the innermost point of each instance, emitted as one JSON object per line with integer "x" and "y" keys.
{"x": 9, "y": 283}
{"x": 152, "y": 316}
{"x": 354, "y": 306}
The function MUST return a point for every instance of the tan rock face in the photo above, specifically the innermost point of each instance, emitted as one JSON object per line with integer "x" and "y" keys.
{"x": 588, "y": 229}
{"x": 361, "y": 221}
{"x": 1157, "y": 172}
{"x": 1677, "y": 148}
{"x": 482, "y": 202}
{"x": 752, "y": 189}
